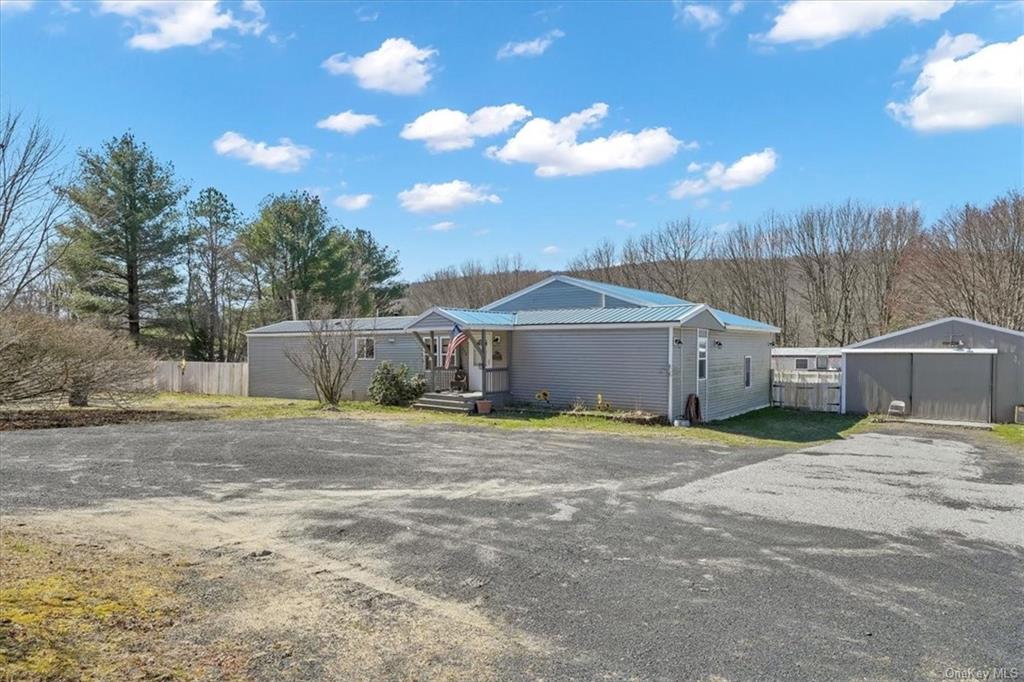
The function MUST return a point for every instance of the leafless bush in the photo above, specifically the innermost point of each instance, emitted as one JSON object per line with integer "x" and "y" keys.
{"x": 45, "y": 359}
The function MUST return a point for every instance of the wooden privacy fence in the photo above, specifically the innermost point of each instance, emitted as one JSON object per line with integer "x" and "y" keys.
{"x": 807, "y": 390}
{"x": 213, "y": 378}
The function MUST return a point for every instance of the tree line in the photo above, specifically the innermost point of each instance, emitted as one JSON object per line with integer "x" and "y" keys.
{"x": 119, "y": 241}
{"x": 827, "y": 275}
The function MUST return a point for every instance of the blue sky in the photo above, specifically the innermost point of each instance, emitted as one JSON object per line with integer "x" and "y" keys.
{"x": 720, "y": 111}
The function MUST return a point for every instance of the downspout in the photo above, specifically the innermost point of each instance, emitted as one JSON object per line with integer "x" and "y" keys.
{"x": 671, "y": 345}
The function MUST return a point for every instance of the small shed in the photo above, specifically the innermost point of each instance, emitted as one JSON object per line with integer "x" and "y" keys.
{"x": 812, "y": 359}
{"x": 953, "y": 369}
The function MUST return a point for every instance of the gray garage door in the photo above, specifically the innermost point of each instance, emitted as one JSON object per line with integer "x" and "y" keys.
{"x": 954, "y": 387}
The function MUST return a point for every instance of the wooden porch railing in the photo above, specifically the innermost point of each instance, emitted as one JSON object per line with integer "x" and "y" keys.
{"x": 440, "y": 379}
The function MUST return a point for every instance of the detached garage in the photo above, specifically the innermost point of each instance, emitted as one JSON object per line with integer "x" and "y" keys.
{"x": 952, "y": 369}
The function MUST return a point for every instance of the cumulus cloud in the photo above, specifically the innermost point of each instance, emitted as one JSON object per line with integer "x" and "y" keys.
{"x": 965, "y": 84}
{"x": 530, "y": 48}
{"x": 397, "y": 66}
{"x": 736, "y": 7}
{"x": 550, "y": 250}
{"x": 163, "y": 25}
{"x": 819, "y": 22}
{"x": 353, "y": 202}
{"x": 443, "y": 226}
{"x": 705, "y": 16}
{"x": 444, "y": 197}
{"x": 749, "y": 170}
{"x": 554, "y": 149}
{"x": 447, "y": 129}
{"x": 284, "y": 157}
{"x": 348, "y": 122}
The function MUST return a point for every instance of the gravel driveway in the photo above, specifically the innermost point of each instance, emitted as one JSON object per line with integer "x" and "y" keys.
{"x": 423, "y": 550}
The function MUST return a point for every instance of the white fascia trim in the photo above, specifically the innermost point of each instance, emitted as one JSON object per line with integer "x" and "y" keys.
{"x": 741, "y": 328}
{"x": 926, "y": 325}
{"x": 922, "y": 351}
{"x": 348, "y": 332}
{"x": 427, "y": 313}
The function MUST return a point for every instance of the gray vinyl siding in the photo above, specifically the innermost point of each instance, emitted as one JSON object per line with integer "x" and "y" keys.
{"x": 271, "y": 373}
{"x": 788, "y": 362}
{"x": 433, "y": 321}
{"x": 1008, "y": 372}
{"x": 629, "y": 368}
{"x": 726, "y": 393}
{"x": 560, "y": 295}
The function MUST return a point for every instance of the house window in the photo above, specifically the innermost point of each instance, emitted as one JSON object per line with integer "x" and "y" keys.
{"x": 821, "y": 362}
{"x": 746, "y": 371}
{"x": 364, "y": 348}
{"x": 801, "y": 363}
{"x": 439, "y": 349}
{"x": 702, "y": 354}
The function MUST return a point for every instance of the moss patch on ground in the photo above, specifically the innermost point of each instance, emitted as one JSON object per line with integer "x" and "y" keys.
{"x": 1011, "y": 433}
{"x": 79, "y": 610}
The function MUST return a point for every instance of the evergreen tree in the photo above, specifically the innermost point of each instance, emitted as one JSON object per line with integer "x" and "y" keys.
{"x": 380, "y": 292}
{"x": 124, "y": 239}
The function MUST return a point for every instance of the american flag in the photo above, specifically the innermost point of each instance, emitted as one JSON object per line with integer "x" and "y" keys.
{"x": 458, "y": 338}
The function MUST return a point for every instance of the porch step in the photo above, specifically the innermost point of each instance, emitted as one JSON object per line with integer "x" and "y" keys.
{"x": 446, "y": 402}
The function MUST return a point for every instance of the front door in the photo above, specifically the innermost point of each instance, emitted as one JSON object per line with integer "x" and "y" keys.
{"x": 475, "y": 369}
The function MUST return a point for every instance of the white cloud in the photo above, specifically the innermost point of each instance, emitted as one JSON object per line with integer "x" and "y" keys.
{"x": 705, "y": 16}
{"x": 15, "y": 6}
{"x": 693, "y": 167}
{"x": 353, "y": 202}
{"x": 397, "y": 66}
{"x": 444, "y": 197}
{"x": 550, "y": 250}
{"x": 348, "y": 122}
{"x": 163, "y": 25}
{"x": 365, "y": 15}
{"x": 819, "y": 22}
{"x": 749, "y": 170}
{"x": 443, "y": 226}
{"x": 628, "y": 224}
{"x": 736, "y": 7}
{"x": 554, "y": 149}
{"x": 285, "y": 157}
{"x": 530, "y": 48}
{"x": 447, "y": 129}
{"x": 966, "y": 85}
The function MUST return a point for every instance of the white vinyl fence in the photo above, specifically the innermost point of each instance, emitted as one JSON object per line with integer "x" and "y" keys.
{"x": 213, "y": 378}
{"x": 807, "y": 390}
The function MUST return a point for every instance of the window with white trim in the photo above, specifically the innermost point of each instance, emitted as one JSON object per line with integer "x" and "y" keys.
{"x": 438, "y": 350}
{"x": 746, "y": 371}
{"x": 821, "y": 362}
{"x": 364, "y": 348}
{"x": 801, "y": 363}
{"x": 702, "y": 354}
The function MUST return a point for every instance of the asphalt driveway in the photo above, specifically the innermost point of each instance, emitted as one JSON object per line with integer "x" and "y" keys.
{"x": 557, "y": 555}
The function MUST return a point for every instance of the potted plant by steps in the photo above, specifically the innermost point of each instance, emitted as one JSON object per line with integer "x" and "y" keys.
{"x": 484, "y": 406}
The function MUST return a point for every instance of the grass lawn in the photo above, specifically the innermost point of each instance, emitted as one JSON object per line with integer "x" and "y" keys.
{"x": 1011, "y": 433}
{"x": 763, "y": 427}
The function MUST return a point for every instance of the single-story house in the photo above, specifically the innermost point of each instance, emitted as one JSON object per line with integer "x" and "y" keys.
{"x": 564, "y": 338}
{"x": 952, "y": 369}
{"x": 821, "y": 359}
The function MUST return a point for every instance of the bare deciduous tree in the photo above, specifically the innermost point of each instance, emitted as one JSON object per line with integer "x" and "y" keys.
{"x": 883, "y": 283}
{"x": 328, "y": 356}
{"x": 31, "y": 207}
{"x": 972, "y": 262}
{"x": 471, "y": 284}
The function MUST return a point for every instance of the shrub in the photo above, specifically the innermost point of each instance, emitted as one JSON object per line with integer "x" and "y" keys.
{"x": 50, "y": 360}
{"x": 393, "y": 385}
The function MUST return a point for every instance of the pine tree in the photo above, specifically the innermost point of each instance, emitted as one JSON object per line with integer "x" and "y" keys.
{"x": 124, "y": 239}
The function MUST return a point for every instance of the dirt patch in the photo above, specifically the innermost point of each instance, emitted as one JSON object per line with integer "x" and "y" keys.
{"x": 73, "y": 608}
{"x": 17, "y": 420}
{"x": 305, "y": 609}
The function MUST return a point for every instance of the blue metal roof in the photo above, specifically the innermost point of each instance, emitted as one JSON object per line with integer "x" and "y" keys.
{"x": 661, "y": 313}
{"x": 650, "y": 297}
{"x": 485, "y": 317}
{"x": 733, "y": 320}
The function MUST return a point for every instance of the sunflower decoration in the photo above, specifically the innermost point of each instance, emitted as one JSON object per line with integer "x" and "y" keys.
{"x": 543, "y": 395}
